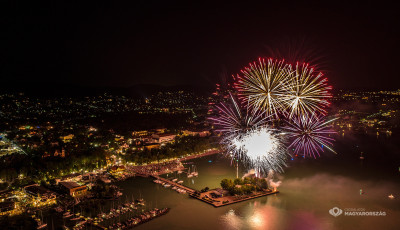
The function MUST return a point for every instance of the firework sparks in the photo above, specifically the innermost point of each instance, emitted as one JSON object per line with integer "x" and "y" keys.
{"x": 247, "y": 137}
{"x": 310, "y": 135}
{"x": 261, "y": 148}
{"x": 307, "y": 92}
{"x": 233, "y": 119}
{"x": 264, "y": 85}
{"x": 268, "y": 89}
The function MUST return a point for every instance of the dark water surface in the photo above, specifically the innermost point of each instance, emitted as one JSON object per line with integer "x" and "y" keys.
{"x": 310, "y": 188}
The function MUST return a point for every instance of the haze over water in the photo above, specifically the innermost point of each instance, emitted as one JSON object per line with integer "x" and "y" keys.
{"x": 310, "y": 187}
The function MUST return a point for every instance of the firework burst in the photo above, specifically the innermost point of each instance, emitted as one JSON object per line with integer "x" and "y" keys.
{"x": 263, "y": 85}
{"x": 307, "y": 92}
{"x": 310, "y": 135}
{"x": 232, "y": 118}
{"x": 246, "y": 137}
{"x": 270, "y": 90}
{"x": 260, "y": 148}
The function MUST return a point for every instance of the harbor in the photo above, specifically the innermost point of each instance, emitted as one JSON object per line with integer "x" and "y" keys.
{"x": 122, "y": 216}
{"x": 186, "y": 211}
{"x": 160, "y": 168}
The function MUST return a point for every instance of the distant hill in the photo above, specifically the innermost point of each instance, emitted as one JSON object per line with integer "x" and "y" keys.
{"x": 55, "y": 89}
{"x": 145, "y": 90}
{"x": 135, "y": 91}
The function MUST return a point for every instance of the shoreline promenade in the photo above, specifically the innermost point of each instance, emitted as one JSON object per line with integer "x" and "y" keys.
{"x": 166, "y": 167}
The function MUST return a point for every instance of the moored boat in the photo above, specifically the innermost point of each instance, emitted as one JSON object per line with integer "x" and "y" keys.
{"x": 41, "y": 226}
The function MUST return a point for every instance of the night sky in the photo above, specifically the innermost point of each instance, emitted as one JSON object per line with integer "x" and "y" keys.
{"x": 169, "y": 43}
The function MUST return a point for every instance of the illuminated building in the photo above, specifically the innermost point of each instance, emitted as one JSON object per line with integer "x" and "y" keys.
{"x": 161, "y": 138}
{"x": 39, "y": 192}
{"x": 73, "y": 188}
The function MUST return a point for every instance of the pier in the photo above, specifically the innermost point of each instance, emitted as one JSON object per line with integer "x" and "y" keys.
{"x": 188, "y": 190}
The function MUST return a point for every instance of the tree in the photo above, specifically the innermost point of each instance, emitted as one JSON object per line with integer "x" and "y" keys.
{"x": 247, "y": 180}
{"x": 3, "y": 186}
{"x": 247, "y": 189}
{"x": 238, "y": 191}
{"x": 53, "y": 182}
{"x": 238, "y": 181}
{"x": 227, "y": 184}
{"x": 23, "y": 221}
{"x": 264, "y": 184}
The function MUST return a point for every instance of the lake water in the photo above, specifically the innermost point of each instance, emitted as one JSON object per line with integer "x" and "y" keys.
{"x": 310, "y": 188}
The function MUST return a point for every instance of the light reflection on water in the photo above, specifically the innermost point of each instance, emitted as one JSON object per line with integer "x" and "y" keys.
{"x": 309, "y": 189}
{"x": 231, "y": 220}
{"x": 303, "y": 201}
{"x": 255, "y": 215}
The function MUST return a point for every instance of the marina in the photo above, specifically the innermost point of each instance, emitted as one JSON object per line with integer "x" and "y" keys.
{"x": 212, "y": 169}
{"x": 124, "y": 216}
{"x": 169, "y": 183}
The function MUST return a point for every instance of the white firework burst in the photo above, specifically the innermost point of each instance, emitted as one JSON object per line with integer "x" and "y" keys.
{"x": 260, "y": 148}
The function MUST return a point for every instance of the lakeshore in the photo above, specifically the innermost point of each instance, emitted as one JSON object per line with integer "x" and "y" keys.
{"x": 186, "y": 211}
{"x": 157, "y": 169}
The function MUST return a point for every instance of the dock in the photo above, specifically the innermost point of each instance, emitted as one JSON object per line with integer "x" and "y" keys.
{"x": 188, "y": 190}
